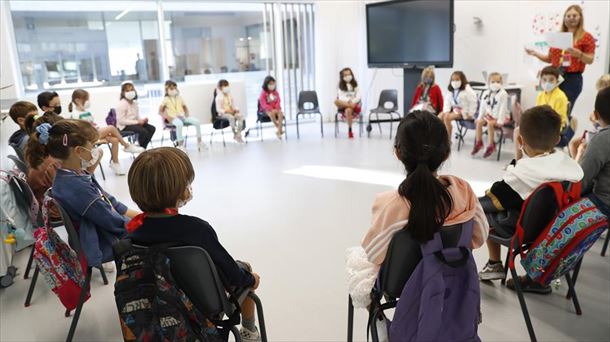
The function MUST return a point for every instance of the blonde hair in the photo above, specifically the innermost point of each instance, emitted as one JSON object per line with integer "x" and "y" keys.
{"x": 580, "y": 30}
{"x": 603, "y": 82}
{"x": 80, "y": 94}
{"x": 428, "y": 71}
{"x": 495, "y": 74}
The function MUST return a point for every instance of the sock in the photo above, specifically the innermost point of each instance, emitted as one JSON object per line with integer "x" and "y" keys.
{"x": 494, "y": 262}
{"x": 350, "y": 129}
{"x": 249, "y": 324}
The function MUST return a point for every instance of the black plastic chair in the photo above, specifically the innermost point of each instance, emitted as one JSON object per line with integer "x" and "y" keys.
{"x": 311, "y": 97}
{"x": 541, "y": 210}
{"x": 404, "y": 254}
{"x": 74, "y": 242}
{"x": 19, "y": 164}
{"x": 605, "y": 247}
{"x": 262, "y": 118}
{"x": 20, "y": 154}
{"x": 386, "y": 96}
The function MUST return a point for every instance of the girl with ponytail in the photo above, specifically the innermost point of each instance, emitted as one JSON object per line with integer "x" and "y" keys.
{"x": 424, "y": 202}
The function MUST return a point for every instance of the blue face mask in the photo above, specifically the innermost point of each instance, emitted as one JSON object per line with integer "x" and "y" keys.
{"x": 428, "y": 81}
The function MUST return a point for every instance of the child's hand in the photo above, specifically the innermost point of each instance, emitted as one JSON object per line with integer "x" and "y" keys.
{"x": 257, "y": 281}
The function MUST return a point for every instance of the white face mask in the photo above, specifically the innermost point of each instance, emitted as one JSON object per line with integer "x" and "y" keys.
{"x": 456, "y": 84}
{"x": 548, "y": 86}
{"x": 172, "y": 92}
{"x": 348, "y": 78}
{"x": 271, "y": 87}
{"x": 95, "y": 156}
{"x": 495, "y": 86}
{"x": 87, "y": 104}
{"x": 226, "y": 90}
{"x": 181, "y": 203}
{"x": 130, "y": 95}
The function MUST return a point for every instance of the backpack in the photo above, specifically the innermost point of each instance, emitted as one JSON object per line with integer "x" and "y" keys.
{"x": 20, "y": 204}
{"x": 441, "y": 300}
{"x": 58, "y": 263}
{"x": 150, "y": 305}
{"x": 111, "y": 118}
{"x": 571, "y": 232}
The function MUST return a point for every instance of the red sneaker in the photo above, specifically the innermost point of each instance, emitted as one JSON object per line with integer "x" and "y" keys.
{"x": 477, "y": 147}
{"x": 490, "y": 150}
{"x": 350, "y": 135}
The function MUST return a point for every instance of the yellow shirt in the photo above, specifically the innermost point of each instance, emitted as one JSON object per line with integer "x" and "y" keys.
{"x": 174, "y": 106}
{"x": 557, "y": 100}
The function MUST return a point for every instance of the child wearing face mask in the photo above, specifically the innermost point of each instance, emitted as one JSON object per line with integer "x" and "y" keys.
{"x": 428, "y": 94}
{"x": 99, "y": 218}
{"x": 160, "y": 198}
{"x": 128, "y": 115}
{"x": 270, "y": 104}
{"x": 348, "y": 100}
{"x": 226, "y": 109}
{"x": 48, "y": 101}
{"x": 460, "y": 101}
{"x": 174, "y": 111}
{"x": 493, "y": 113}
{"x": 541, "y": 163}
{"x": 551, "y": 95}
{"x": 79, "y": 109}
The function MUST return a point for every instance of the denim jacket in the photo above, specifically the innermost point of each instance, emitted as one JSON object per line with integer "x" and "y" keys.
{"x": 97, "y": 215}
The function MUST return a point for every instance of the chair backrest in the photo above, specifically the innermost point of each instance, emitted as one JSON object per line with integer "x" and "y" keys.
{"x": 404, "y": 254}
{"x": 73, "y": 238}
{"x": 19, "y": 152}
{"x": 195, "y": 273}
{"x": 536, "y": 216}
{"x": 19, "y": 164}
{"x": 308, "y": 96}
{"x": 388, "y": 95}
{"x": 213, "y": 108}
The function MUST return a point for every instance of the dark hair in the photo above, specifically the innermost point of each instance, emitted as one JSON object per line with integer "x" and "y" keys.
{"x": 540, "y": 128}
{"x": 342, "y": 84}
{"x": 549, "y": 70}
{"x": 21, "y": 109}
{"x": 266, "y": 82}
{"x": 169, "y": 83}
{"x": 124, "y": 89}
{"x": 462, "y": 77}
{"x": 34, "y": 151}
{"x": 422, "y": 145}
{"x": 222, "y": 83}
{"x": 158, "y": 178}
{"x": 45, "y": 98}
{"x": 71, "y": 131}
{"x": 602, "y": 104}
{"x": 80, "y": 94}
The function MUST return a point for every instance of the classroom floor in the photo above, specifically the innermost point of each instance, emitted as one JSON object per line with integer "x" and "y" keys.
{"x": 291, "y": 209}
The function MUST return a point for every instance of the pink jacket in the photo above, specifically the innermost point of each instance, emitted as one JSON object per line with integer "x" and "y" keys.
{"x": 270, "y": 101}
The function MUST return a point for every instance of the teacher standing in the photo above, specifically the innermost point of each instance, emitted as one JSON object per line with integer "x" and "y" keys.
{"x": 571, "y": 61}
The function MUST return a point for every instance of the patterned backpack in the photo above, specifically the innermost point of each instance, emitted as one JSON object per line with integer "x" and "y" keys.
{"x": 571, "y": 232}
{"x": 150, "y": 305}
{"x": 58, "y": 263}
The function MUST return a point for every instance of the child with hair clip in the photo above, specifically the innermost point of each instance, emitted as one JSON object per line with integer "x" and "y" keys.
{"x": 348, "y": 100}
{"x": 174, "y": 111}
{"x": 493, "y": 113}
{"x": 424, "y": 202}
{"x": 99, "y": 218}
{"x": 79, "y": 109}
{"x": 269, "y": 102}
{"x": 160, "y": 197}
{"x": 226, "y": 109}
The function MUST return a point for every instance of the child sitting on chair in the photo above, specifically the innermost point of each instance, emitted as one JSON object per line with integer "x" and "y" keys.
{"x": 175, "y": 112}
{"x": 541, "y": 163}
{"x": 348, "y": 100}
{"x": 493, "y": 113}
{"x": 227, "y": 110}
{"x": 160, "y": 197}
{"x": 269, "y": 102}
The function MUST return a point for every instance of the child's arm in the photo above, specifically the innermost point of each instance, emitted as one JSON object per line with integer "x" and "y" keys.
{"x": 447, "y": 104}
{"x": 416, "y": 96}
{"x": 357, "y": 97}
{"x": 437, "y": 95}
{"x": 219, "y": 104}
{"x": 594, "y": 159}
{"x": 265, "y": 106}
{"x": 561, "y": 107}
{"x": 472, "y": 103}
{"x": 502, "y": 116}
{"x": 480, "y": 229}
{"x": 121, "y": 113}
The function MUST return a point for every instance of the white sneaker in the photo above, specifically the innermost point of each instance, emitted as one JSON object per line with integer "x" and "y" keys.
{"x": 131, "y": 148}
{"x": 118, "y": 170}
{"x": 108, "y": 267}
{"x": 201, "y": 146}
{"x": 238, "y": 138}
{"x": 181, "y": 148}
{"x": 249, "y": 336}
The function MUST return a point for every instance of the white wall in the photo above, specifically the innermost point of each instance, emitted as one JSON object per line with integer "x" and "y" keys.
{"x": 496, "y": 46}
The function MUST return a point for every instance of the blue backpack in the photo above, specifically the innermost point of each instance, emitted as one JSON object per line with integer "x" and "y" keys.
{"x": 441, "y": 300}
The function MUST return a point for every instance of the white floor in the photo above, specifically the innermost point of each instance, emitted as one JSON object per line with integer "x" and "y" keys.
{"x": 292, "y": 208}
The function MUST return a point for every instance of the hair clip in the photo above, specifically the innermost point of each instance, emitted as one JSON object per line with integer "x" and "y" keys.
{"x": 37, "y": 116}
{"x": 43, "y": 133}
{"x": 65, "y": 140}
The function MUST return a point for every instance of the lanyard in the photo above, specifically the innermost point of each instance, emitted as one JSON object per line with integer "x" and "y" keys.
{"x": 456, "y": 97}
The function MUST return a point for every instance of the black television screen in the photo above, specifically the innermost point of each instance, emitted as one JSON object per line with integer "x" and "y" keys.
{"x": 410, "y": 33}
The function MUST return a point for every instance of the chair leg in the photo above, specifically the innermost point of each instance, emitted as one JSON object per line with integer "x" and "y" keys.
{"x": 575, "y": 273}
{"x": 572, "y": 291}
{"x": 391, "y": 126}
{"x": 285, "y": 129}
{"x": 236, "y": 334}
{"x": 378, "y": 123}
{"x": 211, "y": 136}
{"x": 102, "y": 171}
{"x": 605, "y": 247}
{"x": 260, "y": 315}
{"x": 336, "y": 126}
{"x": 28, "y": 298}
{"x": 322, "y": 125}
{"x": 373, "y": 322}
{"x": 350, "y": 319}
{"x": 526, "y": 315}
{"x": 298, "y": 133}
{"x": 79, "y": 307}
{"x": 500, "y": 145}
{"x": 103, "y": 273}
{"x": 506, "y": 268}
{"x": 29, "y": 265}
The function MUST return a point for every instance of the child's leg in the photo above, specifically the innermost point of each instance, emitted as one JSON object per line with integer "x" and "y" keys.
{"x": 494, "y": 251}
{"x": 114, "y": 144}
{"x": 479, "y": 130}
{"x": 191, "y": 121}
{"x": 231, "y": 119}
{"x": 111, "y": 131}
{"x": 349, "y": 117}
{"x": 573, "y": 146}
{"x": 491, "y": 130}
{"x": 248, "y": 308}
{"x": 177, "y": 122}
{"x": 280, "y": 120}
{"x": 448, "y": 118}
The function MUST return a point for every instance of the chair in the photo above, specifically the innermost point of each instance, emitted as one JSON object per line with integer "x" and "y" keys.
{"x": 386, "y": 96}
{"x": 20, "y": 154}
{"x": 338, "y": 118}
{"x": 404, "y": 254}
{"x": 262, "y": 117}
{"x": 540, "y": 211}
{"x": 167, "y": 126}
{"x": 204, "y": 288}
{"x": 311, "y": 97}
{"x": 74, "y": 242}
{"x": 19, "y": 164}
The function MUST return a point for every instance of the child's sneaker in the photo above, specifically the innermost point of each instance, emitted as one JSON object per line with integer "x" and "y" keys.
{"x": 131, "y": 148}
{"x": 492, "y": 272}
{"x": 490, "y": 150}
{"x": 238, "y": 138}
{"x": 118, "y": 170}
{"x": 201, "y": 146}
{"x": 477, "y": 147}
{"x": 249, "y": 336}
{"x": 350, "y": 135}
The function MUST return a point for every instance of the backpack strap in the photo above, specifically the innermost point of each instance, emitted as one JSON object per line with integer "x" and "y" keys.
{"x": 453, "y": 256}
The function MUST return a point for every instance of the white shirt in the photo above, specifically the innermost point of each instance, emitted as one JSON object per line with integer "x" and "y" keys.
{"x": 465, "y": 99}
{"x": 495, "y": 104}
{"x": 351, "y": 94}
